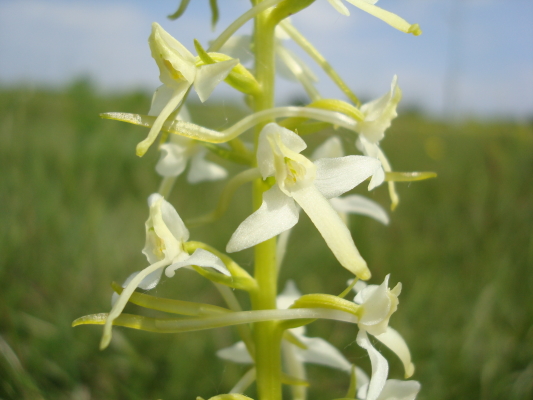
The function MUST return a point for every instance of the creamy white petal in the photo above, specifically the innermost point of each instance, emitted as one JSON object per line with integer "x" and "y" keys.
{"x": 331, "y": 148}
{"x": 277, "y": 214}
{"x": 356, "y": 204}
{"x": 201, "y": 258}
{"x": 322, "y": 352}
{"x": 332, "y": 229}
{"x": 149, "y": 282}
{"x": 335, "y": 176}
{"x": 376, "y": 303}
{"x": 386, "y": 16}
{"x": 399, "y": 390}
{"x": 171, "y": 219}
{"x": 236, "y": 353}
{"x": 288, "y": 296}
{"x": 294, "y": 367}
{"x": 160, "y": 99}
{"x": 380, "y": 367}
{"x": 210, "y": 75}
{"x": 172, "y": 161}
{"x": 394, "y": 341}
{"x": 340, "y": 7}
{"x": 202, "y": 170}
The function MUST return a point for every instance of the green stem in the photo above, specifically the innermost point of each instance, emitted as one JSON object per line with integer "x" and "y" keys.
{"x": 267, "y": 335}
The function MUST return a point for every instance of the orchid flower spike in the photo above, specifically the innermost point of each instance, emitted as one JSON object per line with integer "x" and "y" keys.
{"x": 176, "y": 153}
{"x": 386, "y": 16}
{"x": 178, "y": 72}
{"x": 165, "y": 237}
{"x": 298, "y": 180}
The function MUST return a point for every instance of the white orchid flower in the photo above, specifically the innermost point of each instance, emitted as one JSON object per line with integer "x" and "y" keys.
{"x": 378, "y": 303}
{"x": 352, "y": 204}
{"x": 165, "y": 237}
{"x": 317, "y": 351}
{"x": 176, "y": 153}
{"x": 178, "y": 72}
{"x": 393, "y": 389}
{"x": 386, "y": 16}
{"x": 298, "y": 180}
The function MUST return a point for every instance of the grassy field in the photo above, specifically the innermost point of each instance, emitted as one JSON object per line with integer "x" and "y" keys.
{"x": 73, "y": 205}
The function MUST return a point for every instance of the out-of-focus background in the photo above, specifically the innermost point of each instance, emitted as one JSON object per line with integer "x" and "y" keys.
{"x": 73, "y": 197}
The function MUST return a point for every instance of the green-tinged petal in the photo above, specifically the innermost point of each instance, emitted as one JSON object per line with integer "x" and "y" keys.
{"x": 173, "y": 160}
{"x": 324, "y": 353}
{"x": 388, "y": 17}
{"x": 332, "y": 229}
{"x": 394, "y": 341}
{"x": 295, "y": 366}
{"x": 408, "y": 176}
{"x": 174, "y": 101}
{"x": 170, "y": 305}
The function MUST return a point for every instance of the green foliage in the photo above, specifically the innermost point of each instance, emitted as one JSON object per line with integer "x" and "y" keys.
{"x": 73, "y": 207}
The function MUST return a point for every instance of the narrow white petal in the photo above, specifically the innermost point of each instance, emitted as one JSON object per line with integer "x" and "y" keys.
{"x": 172, "y": 161}
{"x": 380, "y": 367}
{"x": 281, "y": 247}
{"x": 399, "y": 390}
{"x": 356, "y": 204}
{"x": 294, "y": 366}
{"x": 174, "y": 222}
{"x": 202, "y": 170}
{"x": 119, "y": 305}
{"x": 244, "y": 383}
{"x": 288, "y": 296}
{"x": 236, "y": 353}
{"x": 277, "y": 214}
{"x": 201, "y": 258}
{"x": 394, "y": 341}
{"x": 335, "y": 176}
{"x": 340, "y": 7}
{"x": 322, "y": 352}
{"x": 210, "y": 75}
{"x": 332, "y": 229}
{"x": 173, "y": 102}
{"x": 331, "y": 148}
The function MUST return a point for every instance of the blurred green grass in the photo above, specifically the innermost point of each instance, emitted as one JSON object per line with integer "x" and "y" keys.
{"x": 73, "y": 200}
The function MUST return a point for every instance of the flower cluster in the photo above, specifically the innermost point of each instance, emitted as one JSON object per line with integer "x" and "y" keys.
{"x": 285, "y": 179}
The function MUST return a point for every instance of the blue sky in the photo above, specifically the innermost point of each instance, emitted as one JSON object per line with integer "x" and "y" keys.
{"x": 475, "y": 57}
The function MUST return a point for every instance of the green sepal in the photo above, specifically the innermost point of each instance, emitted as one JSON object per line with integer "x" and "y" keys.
{"x": 408, "y": 176}
{"x": 321, "y": 300}
{"x": 181, "y": 9}
{"x": 171, "y": 306}
{"x": 214, "y": 13}
{"x": 239, "y": 78}
{"x": 292, "y": 380}
{"x": 239, "y": 279}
